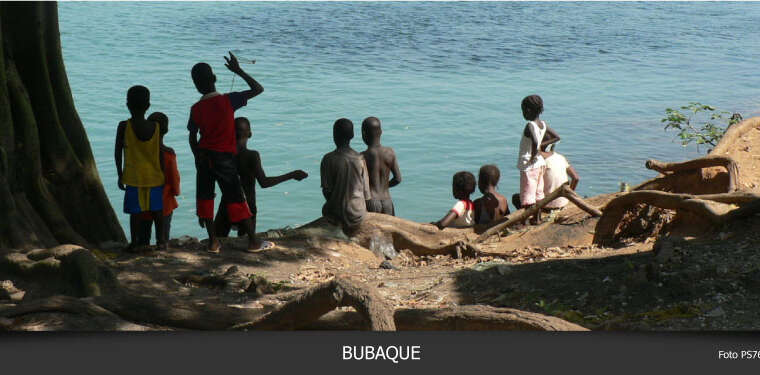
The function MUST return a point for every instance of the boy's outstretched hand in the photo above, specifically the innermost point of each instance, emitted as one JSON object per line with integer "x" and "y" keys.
{"x": 299, "y": 175}
{"x": 232, "y": 64}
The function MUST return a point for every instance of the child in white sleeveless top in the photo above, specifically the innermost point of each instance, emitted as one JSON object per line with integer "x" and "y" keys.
{"x": 530, "y": 162}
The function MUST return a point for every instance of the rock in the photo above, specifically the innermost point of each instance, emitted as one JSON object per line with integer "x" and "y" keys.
{"x": 503, "y": 269}
{"x": 486, "y": 265}
{"x": 382, "y": 245}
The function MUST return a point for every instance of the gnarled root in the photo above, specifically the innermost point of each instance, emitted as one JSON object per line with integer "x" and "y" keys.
{"x": 715, "y": 208}
{"x": 324, "y": 298}
{"x": 693, "y": 166}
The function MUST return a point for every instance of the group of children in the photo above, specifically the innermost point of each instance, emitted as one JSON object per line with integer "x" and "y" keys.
{"x": 542, "y": 170}
{"x": 147, "y": 169}
{"x": 352, "y": 183}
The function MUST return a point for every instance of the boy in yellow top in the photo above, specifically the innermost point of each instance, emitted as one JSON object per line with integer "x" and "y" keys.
{"x": 142, "y": 176}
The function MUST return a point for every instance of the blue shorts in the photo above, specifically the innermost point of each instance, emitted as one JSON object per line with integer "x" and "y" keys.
{"x": 141, "y": 199}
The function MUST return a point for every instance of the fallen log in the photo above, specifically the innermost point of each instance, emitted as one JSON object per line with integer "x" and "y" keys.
{"x": 522, "y": 215}
{"x": 319, "y": 300}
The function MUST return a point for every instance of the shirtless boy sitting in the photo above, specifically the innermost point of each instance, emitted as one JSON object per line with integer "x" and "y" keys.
{"x": 250, "y": 170}
{"x": 492, "y": 205}
{"x": 345, "y": 184}
{"x": 381, "y": 161}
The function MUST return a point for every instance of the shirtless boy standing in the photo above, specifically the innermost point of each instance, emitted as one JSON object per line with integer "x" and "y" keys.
{"x": 381, "y": 161}
{"x": 250, "y": 170}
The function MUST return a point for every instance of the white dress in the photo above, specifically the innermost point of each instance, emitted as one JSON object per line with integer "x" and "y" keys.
{"x": 554, "y": 176}
{"x": 524, "y": 161}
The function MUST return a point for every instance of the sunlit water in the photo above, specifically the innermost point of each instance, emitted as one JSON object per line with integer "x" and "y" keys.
{"x": 446, "y": 79}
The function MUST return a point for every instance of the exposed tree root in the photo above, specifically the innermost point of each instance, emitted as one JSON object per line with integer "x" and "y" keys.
{"x": 324, "y": 298}
{"x": 522, "y": 215}
{"x": 698, "y": 164}
{"x": 715, "y": 208}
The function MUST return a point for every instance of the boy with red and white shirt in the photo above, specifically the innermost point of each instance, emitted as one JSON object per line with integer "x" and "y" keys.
{"x": 214, "y": 117}
{"x": 462, "y": 214}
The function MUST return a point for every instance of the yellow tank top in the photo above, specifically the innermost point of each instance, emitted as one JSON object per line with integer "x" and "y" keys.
{"x": 142, "y": 166}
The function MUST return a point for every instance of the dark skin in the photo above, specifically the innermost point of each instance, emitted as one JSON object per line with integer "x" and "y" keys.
{"x": 451, "y": 215}
{"x": 341, "y": 141}
{"x": 550, "y": 137}
{"x": 207, "y": 85}
{"x": 494, "y": 203}
{"x": 144, "y": 130}
{"x": 251, "y": 170}
{"x": 381, "y": 162}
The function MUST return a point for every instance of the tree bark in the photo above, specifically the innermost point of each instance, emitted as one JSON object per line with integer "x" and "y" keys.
{"x": 50, "y": 189}
{"x": 320, "y": 300}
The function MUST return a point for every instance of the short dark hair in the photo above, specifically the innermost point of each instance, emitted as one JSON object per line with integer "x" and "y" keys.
{"x": 244, "y": 119}
{"x": 489, "y": 174}
{"x": 368, "y": 122}
{"x": 343, "y": 129}
{"x": 464, "y": 182}
{"x": 532, "y": 106}
{"x": 162, "y": 120}
{"x": 516, "y": 201}
{"x": 201, "y": 73}
{"x": 138, "y": 97}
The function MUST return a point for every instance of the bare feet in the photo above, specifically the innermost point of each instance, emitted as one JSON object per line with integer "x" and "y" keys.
{"x": 258, "y": 245}
{"x": 214, "y": 247}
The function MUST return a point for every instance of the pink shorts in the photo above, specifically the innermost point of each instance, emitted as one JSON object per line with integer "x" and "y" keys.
{"x": 531, "y": 186}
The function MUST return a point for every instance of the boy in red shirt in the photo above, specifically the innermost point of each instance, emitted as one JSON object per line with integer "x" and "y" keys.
{"x": 214, "y": 117}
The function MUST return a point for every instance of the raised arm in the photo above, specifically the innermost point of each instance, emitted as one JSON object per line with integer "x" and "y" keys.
{"x": 118, "y": 152}
{"x": 266, "y": 181}
{"x": 233, "y": 65}
{"x": 396, "y": 171}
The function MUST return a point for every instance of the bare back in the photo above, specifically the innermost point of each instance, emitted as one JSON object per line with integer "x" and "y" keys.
{"x": 381, "y": 161}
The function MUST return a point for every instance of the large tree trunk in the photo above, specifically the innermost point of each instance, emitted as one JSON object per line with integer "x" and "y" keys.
{"x": 50, "y": 191}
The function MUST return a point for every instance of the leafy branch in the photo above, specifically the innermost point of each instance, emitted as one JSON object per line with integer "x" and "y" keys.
{"x": 701, "y": 124}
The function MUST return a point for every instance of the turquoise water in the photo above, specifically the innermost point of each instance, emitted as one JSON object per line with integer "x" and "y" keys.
{"x": 446, "y": 79}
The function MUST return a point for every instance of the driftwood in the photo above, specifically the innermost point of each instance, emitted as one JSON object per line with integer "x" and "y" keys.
{"x": 324, "y": 298}
{"x": 711, "y": 207}
{"x": 522, "y": 215}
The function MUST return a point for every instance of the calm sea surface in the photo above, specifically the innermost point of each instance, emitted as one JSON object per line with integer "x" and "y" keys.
{"x": 446, "y": 79}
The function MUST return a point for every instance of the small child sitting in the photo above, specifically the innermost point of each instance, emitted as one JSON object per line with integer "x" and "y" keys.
{"x": 492, "y": 205}
{"x": 461, "y": 215}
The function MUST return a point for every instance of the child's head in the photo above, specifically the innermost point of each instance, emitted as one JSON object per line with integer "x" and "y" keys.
{"x": 343, "y": 131}
{"x": 516, "y": 201}
{"x": 138, "y": 99}
{"x": 203, "y": 78}
{"x": 243, "y": 128}
{"x": 532, "y": 106}
{"x": 371, "y": 130}
{"x": 463, "y": 185}
{"x": 487, "y": 177}
{"x": 162, "y": 120}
